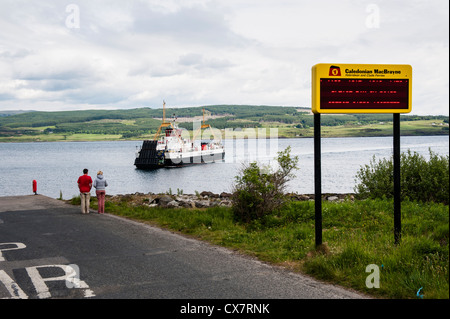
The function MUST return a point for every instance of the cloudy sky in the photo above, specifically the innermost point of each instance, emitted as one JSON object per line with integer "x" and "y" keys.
{"x": 86, "y": 54}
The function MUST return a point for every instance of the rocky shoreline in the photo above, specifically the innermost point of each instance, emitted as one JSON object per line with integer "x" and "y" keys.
{"x": 206, "y": 199}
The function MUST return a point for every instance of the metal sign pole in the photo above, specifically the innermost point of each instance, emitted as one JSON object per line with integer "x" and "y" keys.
{"x": 397, "y": 199}
{"x": 317, "y": 180}
{"x": 360, "y": 88}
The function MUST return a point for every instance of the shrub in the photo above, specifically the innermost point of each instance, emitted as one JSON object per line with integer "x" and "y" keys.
{"x": 421, "y": 180}
{"x": 76, "y": 200}
{"x": 260, "y": 191}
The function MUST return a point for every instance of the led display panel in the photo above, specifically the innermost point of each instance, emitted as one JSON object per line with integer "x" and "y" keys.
{"x": 361, "y": 88}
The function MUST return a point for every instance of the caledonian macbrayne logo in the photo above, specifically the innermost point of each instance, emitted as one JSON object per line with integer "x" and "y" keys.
{"x": 335, "y": 71}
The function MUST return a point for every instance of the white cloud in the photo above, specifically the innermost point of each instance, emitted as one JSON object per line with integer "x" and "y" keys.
{"x": 198, "y": 52}
{"x": 301, "y": 24}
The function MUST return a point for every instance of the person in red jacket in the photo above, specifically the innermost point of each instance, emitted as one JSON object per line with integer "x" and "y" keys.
{"x": 85, "y": 185}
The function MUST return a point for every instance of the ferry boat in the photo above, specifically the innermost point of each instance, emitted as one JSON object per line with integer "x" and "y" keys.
{"x": 170, "y": 149}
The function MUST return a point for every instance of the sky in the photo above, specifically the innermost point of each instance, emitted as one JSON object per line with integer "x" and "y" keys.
{"x": 60, "y": 55}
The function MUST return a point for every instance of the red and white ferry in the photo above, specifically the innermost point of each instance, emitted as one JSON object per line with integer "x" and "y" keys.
{"x": 169, "y": 148}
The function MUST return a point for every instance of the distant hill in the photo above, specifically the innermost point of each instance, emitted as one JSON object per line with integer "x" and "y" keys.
{"x": 140, "y": 123}
{"x": 9, "y": 113}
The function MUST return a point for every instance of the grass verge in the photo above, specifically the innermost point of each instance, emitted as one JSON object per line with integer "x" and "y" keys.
{"x": 355, "y": 234}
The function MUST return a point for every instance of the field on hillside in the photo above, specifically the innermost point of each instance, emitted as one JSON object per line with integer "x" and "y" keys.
{"x": 142, "y": 123}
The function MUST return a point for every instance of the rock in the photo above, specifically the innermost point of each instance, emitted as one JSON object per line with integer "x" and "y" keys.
{"x": 126, "y": 197}
{"x": 225, "y": 195}
{"x": 225, "y": 203}
{"x": 164, "y": 200}
{"x": 208, "y": 194}
{"x": 213, "y": 203}
{"x": 209, "y": 199}
{"x": 173, "y": 204}
{"x": 187, "y": 203}
{"x": 303, "y": 197}
{"x": 202, "y": 203}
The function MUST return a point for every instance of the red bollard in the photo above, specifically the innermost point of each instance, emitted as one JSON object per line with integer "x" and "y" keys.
{"x": 34, "y": 187}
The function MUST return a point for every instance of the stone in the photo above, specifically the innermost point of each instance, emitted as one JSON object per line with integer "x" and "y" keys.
{"x": 208, "y": 194}
{"x": 173, "y": 204}
{"x": 187, "y": 203}
{"x": 164, "y": 200}
{"x": 202, "y": 204}
{"x": 225, "y": 203}
{"x": 225, "y": 195}
{"x": 303, "y": 197}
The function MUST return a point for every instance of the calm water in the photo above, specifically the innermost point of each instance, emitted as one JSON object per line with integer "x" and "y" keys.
{"x": 56, "y": 165}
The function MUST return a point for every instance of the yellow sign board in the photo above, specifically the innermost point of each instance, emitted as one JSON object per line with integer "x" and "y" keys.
{"x": 361, "y": 88}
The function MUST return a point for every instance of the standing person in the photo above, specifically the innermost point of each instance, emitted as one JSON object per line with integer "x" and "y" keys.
{"x": 85, "y": 185}
{"x": 100, "y": 184}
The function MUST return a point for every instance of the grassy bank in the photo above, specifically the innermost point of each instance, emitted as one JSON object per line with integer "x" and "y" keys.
{"x": 408, "y": 128}
{"x": 357, "y": 233}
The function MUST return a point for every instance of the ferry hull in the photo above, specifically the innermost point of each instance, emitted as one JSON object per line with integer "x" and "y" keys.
{"x": 151, "y": 158}
{"x": 191, "y": 160}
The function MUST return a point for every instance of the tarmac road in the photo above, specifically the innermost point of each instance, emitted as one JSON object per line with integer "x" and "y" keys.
{"x": 114, "y": 258}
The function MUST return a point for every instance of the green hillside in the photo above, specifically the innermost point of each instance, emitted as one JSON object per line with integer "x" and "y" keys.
{"x": 142, "y": 123}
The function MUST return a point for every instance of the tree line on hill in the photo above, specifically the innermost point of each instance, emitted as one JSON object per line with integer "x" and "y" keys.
{"x": 147, "y": 120}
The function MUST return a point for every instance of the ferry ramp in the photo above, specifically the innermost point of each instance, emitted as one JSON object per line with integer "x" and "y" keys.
{"x": 48, "y": 249}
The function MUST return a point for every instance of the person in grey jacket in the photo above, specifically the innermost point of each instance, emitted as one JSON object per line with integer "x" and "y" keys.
{"x": 100, "y": 184}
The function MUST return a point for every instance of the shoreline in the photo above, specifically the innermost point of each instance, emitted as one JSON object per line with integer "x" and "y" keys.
{"x": 207, "y": 199}
{"x": 224, "y": 139}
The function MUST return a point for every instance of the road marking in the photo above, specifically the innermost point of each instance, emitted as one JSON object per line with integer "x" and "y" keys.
{"x": 13, "y": 288}
{"x": 70, "y": 275}
{"x": 18, "y": 246}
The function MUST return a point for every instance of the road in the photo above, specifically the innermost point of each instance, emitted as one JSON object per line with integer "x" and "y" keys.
{"x": 48, "y": 249}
